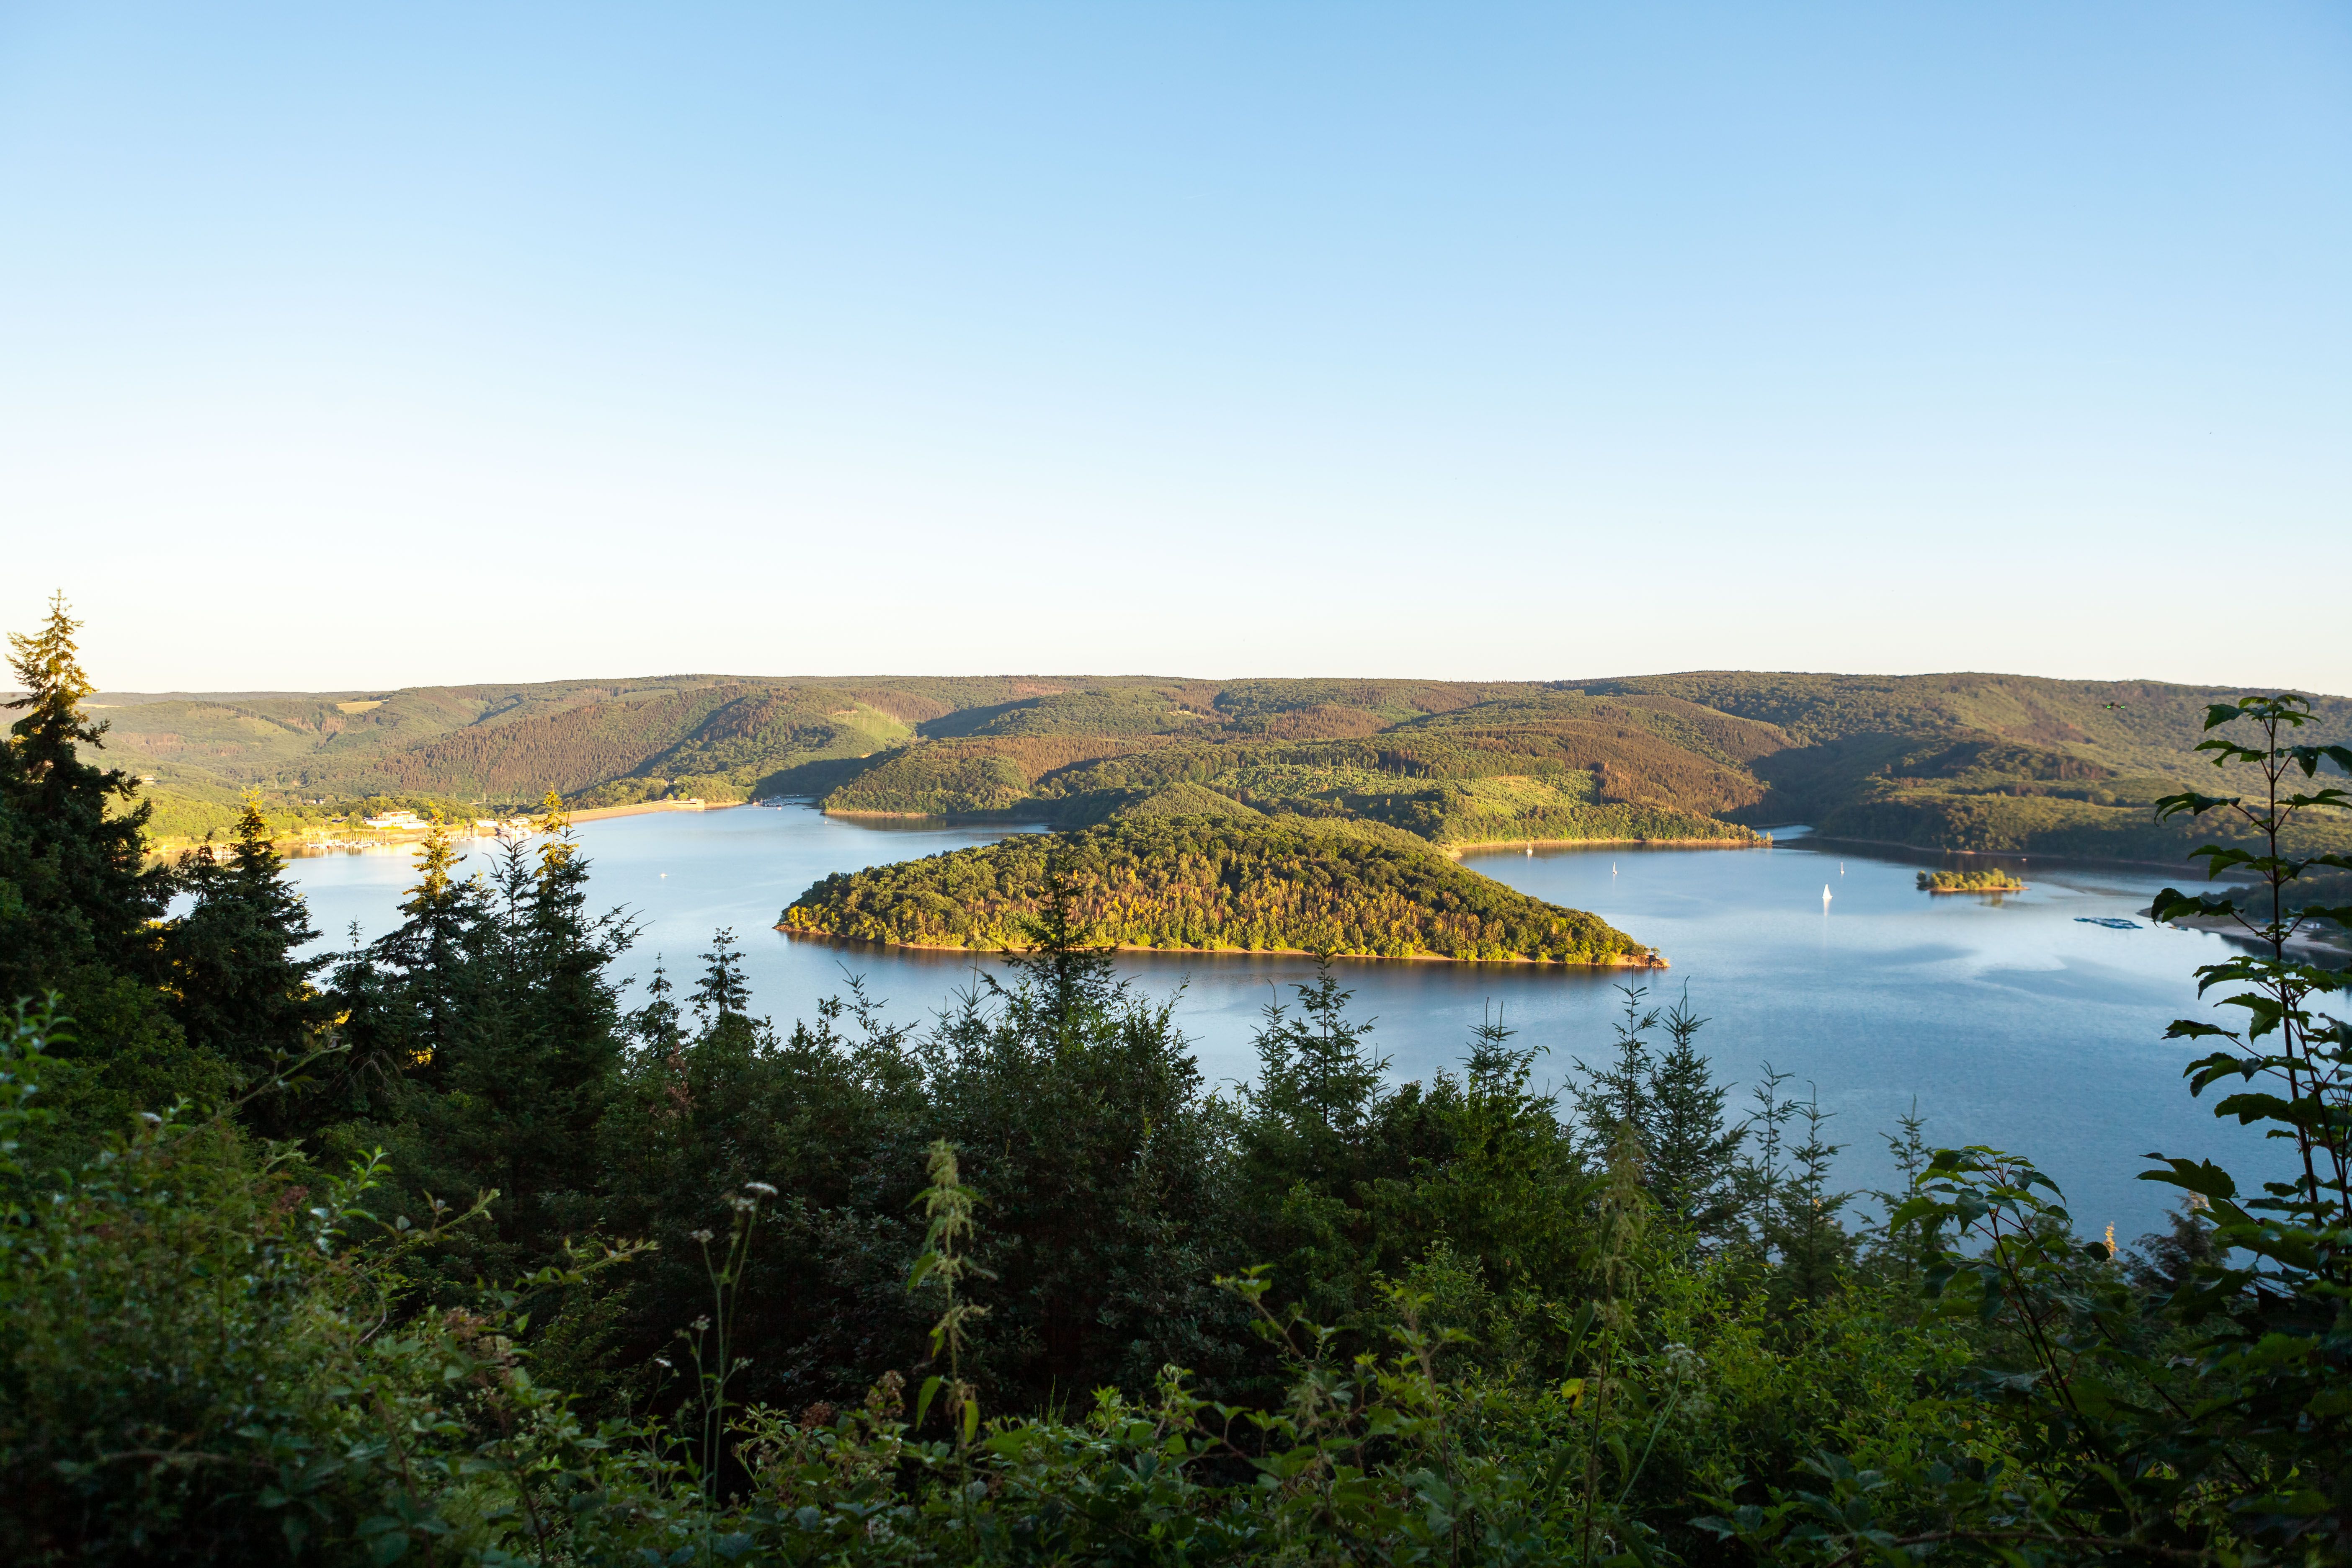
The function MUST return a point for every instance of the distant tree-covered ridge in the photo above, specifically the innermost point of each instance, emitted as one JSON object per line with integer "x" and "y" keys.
{"x": 1198, "y": 883}
{"x": 1983, "y": 763}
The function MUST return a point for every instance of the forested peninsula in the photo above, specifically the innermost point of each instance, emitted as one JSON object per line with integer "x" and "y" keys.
{"x": 1209, "y": 883}
{"x": 1965, "y": 763}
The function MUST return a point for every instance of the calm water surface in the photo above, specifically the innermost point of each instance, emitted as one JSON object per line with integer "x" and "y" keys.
{"x": 2008, "y": 1020}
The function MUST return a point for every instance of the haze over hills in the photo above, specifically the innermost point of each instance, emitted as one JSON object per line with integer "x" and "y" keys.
{"x": 1962, "y": 761}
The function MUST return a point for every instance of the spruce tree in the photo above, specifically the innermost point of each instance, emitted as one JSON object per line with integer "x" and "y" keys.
{"x": 529, "y": 1049}
{"x": 1310, "y": 1139}
{"x": 72, "y": 834}
{"x": 574, "y": 1025}
{"x": 1075, "y": 1104}
{"x": 1319, "y": 1088}
{"x": 722, "y": 993}
{"x": 79, "y": 907}
{"x": 412, "y": 996}
{"x": 1691, "y": 1153}
{"x": 1816, "y": 1252}
{"x": 1066, "y": 980}
{"x": 239, "y": 989}
{"x": 1761, "y": 1179}
{"x": 1618, "y": 1095}
{"x": 656, "y": 1026}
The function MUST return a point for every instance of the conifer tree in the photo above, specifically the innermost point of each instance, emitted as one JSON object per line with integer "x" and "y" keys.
{"x": 656, "y": 1026}
{"x": 1078, "y": 1102}
{"x": 528, "y": 1048}
{"x": 78, "y": 906}
{"x": 1762, "y": 1177}
{"x": 1319, "y": 1088}
{"x": 429, "y": 965}
{"x": 1816, "y": 1252}
{"x": 239, "y": 989}
{"x": 72, "y": 834}
{"x": 1691, "y": 1153}
{"x": 1618, "y": 1095}
{"x": 1511, "y": 1171}
{"x": 1071, "y": 979}
{"x": 568, "y": 953}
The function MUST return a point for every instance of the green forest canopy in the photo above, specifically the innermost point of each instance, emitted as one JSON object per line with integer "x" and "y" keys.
{"x": 1947, "y": 762}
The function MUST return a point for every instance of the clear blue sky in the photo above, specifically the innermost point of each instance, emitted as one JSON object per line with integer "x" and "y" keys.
{"x": 361, "y": 346}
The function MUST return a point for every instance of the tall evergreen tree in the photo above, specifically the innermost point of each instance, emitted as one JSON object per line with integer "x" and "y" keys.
{"x": 1506, "y": 1181}
{"x": 1074, "y": 979}
{"x": 524, "y": 1047}
{"x": 659, "y": 1028}
{"x": 570, "y": 1040}
{"x": 1816, "y": 1251}
{"x": 834, "y": 1115}
{"x": 79, "y": 907}
{"x": 238, "y": 988}
{"x": 1690, "y": 1152}
{"x": 77, "y": 890}
{"x": 1314, "y": 1134}
{"x": 1077, "y": 1105}
{"x": 722, "y": 993}
{"x": 1618, "y": 1095}
{"x": 410, "y": 994}
{"x": 1313, "y": 1106}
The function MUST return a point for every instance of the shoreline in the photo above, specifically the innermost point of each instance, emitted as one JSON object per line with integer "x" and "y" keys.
{"x": 1649, "y": 960}
{"x": 1456, "y": 852}
{"x": 322, "y": 839}
{"x": 1453, "y": 851}
{"x": 598, "y": 812}
{"x": 2058, "y": 856}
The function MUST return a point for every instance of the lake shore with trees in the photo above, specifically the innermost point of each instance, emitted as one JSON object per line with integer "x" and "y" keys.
{"x": 431, "y": 1249}
{"x": 1970, "y": 763}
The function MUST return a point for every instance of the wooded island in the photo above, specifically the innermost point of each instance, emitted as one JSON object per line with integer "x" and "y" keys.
{"x": 1993, "y": 882}
{"x": 1204, "y": 884}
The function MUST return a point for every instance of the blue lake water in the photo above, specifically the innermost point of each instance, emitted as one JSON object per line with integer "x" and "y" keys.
{"x": 2008, "y": 1020}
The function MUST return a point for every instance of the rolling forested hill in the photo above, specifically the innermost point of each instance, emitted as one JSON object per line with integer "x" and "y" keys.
{"x": 1965, "y": 762}
{"x": 1198, "y": 883}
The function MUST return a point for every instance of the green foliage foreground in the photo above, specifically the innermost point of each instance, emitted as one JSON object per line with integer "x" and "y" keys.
{"x": 1014, "y": 1288}
{"x": 1201, "y": 882}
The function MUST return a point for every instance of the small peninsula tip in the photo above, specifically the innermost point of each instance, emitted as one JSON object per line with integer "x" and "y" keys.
{"x": 1970, "y": 882}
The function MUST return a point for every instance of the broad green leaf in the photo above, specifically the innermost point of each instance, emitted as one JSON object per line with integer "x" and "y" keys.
{"x": 2199, "y": 1176}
